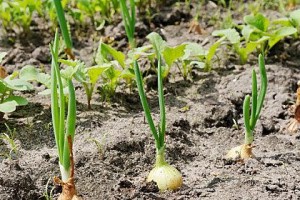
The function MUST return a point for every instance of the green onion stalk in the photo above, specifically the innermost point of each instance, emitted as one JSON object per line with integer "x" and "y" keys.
{"x": 166, "y": 176}
{"x": 64, "y": 129}
{"x": 244, "y": 151}
{"x": 129, "y": 21}
{"x": 64, "y": 28}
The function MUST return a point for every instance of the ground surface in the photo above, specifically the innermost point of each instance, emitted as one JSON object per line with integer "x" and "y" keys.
{"x": 197, "y": 138}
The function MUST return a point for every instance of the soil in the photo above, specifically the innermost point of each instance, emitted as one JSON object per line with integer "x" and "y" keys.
{"x": 114, "y": 150}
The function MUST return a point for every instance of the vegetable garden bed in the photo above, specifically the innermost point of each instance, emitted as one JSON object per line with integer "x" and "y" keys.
{"x": 114, "y": 150}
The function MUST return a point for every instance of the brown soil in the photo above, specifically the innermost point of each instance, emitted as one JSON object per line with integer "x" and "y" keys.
{"x": 197, "y": 138}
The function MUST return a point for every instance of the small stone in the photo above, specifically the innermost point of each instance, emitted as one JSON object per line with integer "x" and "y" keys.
{"x": 42, "y": 54}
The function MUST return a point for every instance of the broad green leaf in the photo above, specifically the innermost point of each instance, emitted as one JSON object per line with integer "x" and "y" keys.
{"x": 193, "y": 51}
{"x": 171, "y": 54}
{"x": 280, "y": 34}
{"x": 295, "y": 17}
{"x": 231, "y": 34}
{"x": 20, "y": 101}
{"x": 96, "y": 71}
{"x": 111, "y": 73}
{"x": 3, "y": 87}
{"x": 258, "y": 21}
{"x": 282, "y": 21}
{"x": 71, "y": 63}
{"x": 69, "y": 72}
{"x": 127, "y": 74}
{"x": 8, "y": 106}
{"x": 105, "y": 50}
{"x": 18, "y": 84}
{"x": 247, "y": 32}
{"x": 136, "y": 53}
{"x": 285, "y": 31}
{"x": 44, "y": 79}
{"x": 29, "y": 73}
{"x": 212, "y": 50}
{"x": 158, "y": 43}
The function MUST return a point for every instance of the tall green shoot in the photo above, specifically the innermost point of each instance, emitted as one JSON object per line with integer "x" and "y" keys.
{"x": 64, "y": 27}
{"x": 64, "y": 128}
{"x": 166, "y": 176}
{"x": 128, "y": 16}
{"x": 250, "y": 118}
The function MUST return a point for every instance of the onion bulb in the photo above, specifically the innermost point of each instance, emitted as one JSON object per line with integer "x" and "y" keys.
{"x": 240, "y": 152}
{"x": 166, "y": 177}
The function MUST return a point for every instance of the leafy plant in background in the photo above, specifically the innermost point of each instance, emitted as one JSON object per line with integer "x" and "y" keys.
{"x": 119, "y": 67}
{"x": 8, "y": 85}
{"x": 186, "y": 55}
{"x": 291, "y": 20}
{"x": 18, "y": 14}
{"x": 244, "y": 151}
{"x": 258, "y": 34}
{"x": 87, "y": 76}
{"x": 240, "y": 46}
{"x": 259, "y": 26}
{"x": 166, "y": 176}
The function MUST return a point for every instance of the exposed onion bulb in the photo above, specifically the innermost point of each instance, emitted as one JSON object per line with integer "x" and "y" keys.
{"x": 166, "y": 177}
{"x": 241, "y": 152}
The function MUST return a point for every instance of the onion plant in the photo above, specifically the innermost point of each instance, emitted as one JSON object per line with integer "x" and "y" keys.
{"x": 129, "y": 20}
{"x": 166, "y": 176}
{"x": 64, "y": 129}
{"x": 244, "y": 151}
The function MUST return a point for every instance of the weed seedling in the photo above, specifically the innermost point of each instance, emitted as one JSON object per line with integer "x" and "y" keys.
{"x": 244, "y": 151}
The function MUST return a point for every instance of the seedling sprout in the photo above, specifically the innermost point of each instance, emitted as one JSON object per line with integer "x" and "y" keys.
{"x": 244, "y": 151}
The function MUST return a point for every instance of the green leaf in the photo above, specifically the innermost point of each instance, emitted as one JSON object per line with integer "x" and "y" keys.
{"x": 193, "y": 51}
{"x": 171, "y": 54}
{"x": 71, "y": 63}
{"x": 231, "y": 34}
{"x": 18, "y": 84}
{"x": 20, "y": 101}
{"x": 8, "y": 106}
{"x": 136, "y": 53}
{"x": 96, "y": 71}
{"x": 282, "y": 21}
{"x": 295, "y": 17}
{"x": 105, "y": 50}
{"x": 69, "y": 72}
{"x": 247, "y": 32}
{"x": 3, "y": 87}
{"x": 280, "y": 34}
{"x": 158, "y": 43}
{"x": 128, "y": 74}
{"x": 29, "y": 73}
{"x": 258, "y": 21}
{"x": 212, "y": 50}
